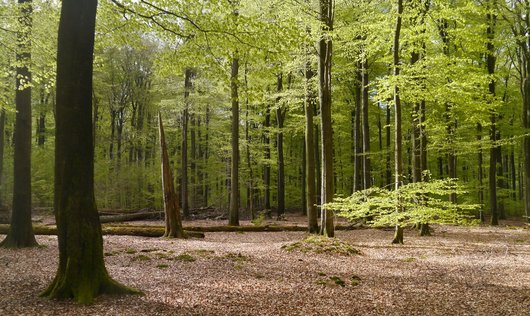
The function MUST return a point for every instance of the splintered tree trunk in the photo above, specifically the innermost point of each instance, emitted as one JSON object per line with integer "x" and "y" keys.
{"x": 171, "y": 203}
{"x": 81, "y": 274}
{"x": 366, "y": 129}
{"x": 398, "y": 164}
{"x": 279, "y": 142}
{"x": 20, "y": 233}
{"x": 234, "y": 174}
{"x": 324, "y": 63}
{"x": 310, "y": 154}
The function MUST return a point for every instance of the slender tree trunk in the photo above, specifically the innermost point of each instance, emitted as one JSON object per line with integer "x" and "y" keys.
{"x": 310, "y": 153}
{"x": 188, "y": 76}
{"x": 20, "y": 233}
{"x": 388, "y": 150}
{"x": 2, "y": 148}
{"x": 234, "y": 175}
{"x": 250, "y": 184}
{"x": 357, "y": 132}
{"x": 480, "y": 172}
{"x": 280, "y": 115}
{"x": 490, "y": 63}
{"x": 367, "y": 173}
{"x": 206, "y": 189}
{"x": 398, "y": 163}
{"x": 81, "y": 274}
{"x": 324, "y": 63}
{"x": 267, "y": 168}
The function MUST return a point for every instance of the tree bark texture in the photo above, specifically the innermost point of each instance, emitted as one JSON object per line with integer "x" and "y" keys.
{"x": 20, "y": 234}
{"x": 234, "y": 168}
{"x": 81, "y": 274}
{"x": 310, "y": 154}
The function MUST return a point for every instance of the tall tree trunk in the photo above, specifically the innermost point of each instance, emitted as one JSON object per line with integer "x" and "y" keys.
{"x": 20, "y": 233}
{"x": 250, "y": 184}
{"x": 184, "y": 187}
{"x": 480, "y": 172}
{"x": 388, "y": 168}
{"x": 280, "y": 114}
{"x": 81, "y": 274}
{"x": 2, "y": 148}
{"x": 398, "y": 163}
{"x": 206, "y": 189}
{"x": 310, "y": 153}
{"x": 357, "y": 132}
{"x": 267, "y": 167}
{"x": 234, "y": 175}
{"x": 490, "y": 63}
{"x": 366, "y": 129}
{"x": 324, "y": 63}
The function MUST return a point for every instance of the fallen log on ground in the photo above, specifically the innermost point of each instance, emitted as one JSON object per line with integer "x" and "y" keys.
{"x": 248, "y": 229}
{"x": 143, "y": 231}
{"x": 130, "y": 217}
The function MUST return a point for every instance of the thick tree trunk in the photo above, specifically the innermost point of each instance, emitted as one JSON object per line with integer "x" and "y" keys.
{"x": 21, "y": 232}
{"x": 81, "y": 274}
{"x": 234, "y": 174}
{"x": 280, "y": 114}
{"x": 310, "y": 154}
{"x": 398, "y": 157}
{"x": 324, "y": 63}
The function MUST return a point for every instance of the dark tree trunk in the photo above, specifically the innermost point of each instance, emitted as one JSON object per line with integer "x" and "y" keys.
{"x": 324, "y": 63}
{"x": 398, "y": 157}
{"x": 280, "y": 115}
{"x": 234, "y": 175}
{"x": 20, "y": 233}
{"x": 184, "y": 145}
{"x": 2, "y": 148}
{"x": 480, "y": 172}
{"x": 206, "y": 189}
{"x": 310, "y": 153}
{"x": 267, "y": 168}
{"x": 388, "y": 150}
{"x": 250, "y": 184}
{"x": 81, "y": 274}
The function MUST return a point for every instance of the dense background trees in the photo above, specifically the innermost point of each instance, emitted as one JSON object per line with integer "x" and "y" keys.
{"x": 260, "y": 113}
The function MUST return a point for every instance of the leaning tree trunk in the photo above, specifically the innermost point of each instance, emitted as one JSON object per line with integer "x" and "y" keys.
{"x": 398, "y": 163}
{"x": 171, "y": 202}
{"x": 81, "y": 274}
{"x": 21, "y": 232}
{"x": 234, "y": 175}
{"x": 324, "y": 63}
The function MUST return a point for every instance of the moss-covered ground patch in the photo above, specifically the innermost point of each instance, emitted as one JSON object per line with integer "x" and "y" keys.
{"x": 322, "y": 245}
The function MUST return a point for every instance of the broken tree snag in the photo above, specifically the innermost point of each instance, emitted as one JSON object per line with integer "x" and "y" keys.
{"x": 171, "y": 205}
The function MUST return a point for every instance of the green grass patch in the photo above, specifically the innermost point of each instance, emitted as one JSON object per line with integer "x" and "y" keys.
{"x": 185, "y": 257}
{"x": 130, "y": 251}
{"x": 236, "y": 257}
{"x": 141, "y": 258}
{"x": 162, "y": 266}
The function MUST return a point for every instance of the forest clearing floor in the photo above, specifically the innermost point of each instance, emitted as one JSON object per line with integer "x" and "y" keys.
{"x": 457, "y": 271}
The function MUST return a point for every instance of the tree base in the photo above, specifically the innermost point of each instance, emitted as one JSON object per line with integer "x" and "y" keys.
{"x": 398, "y": 236}
{"x": 12, "y": 243}
{"x": 84, "y": 290}
{"x": 424, "y": 230}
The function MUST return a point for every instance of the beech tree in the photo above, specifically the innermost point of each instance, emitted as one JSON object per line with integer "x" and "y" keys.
{"x": 81, "y": 274}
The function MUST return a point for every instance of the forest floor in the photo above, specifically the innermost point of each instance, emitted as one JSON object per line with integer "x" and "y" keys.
{"x": 457, "y": 271}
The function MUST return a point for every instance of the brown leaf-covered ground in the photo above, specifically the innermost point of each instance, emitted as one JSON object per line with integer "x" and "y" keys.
{"x": 457, "y": 271}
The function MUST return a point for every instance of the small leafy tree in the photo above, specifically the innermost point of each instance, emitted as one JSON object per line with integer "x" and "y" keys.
{"x": 419, "y": 202}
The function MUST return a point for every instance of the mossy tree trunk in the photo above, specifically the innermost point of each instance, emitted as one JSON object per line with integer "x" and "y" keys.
{"x": 81, "y": 274}
{"x": 20, "y": 234}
